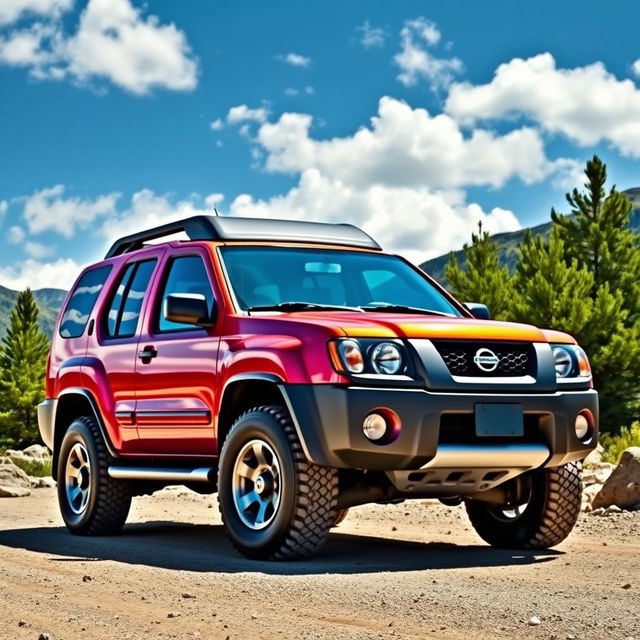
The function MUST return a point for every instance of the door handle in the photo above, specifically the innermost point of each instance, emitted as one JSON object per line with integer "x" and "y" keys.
{"x": 147, "y": 354}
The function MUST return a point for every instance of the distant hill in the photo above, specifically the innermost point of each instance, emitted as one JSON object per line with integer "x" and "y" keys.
{"x": 508, "y": 242}
{"x": 49, "y": 302}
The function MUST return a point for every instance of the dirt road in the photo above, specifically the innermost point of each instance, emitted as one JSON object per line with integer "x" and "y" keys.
{"x": 413, "y": 570}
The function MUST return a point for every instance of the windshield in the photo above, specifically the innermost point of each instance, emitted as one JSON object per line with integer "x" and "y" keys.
{"x": 265, "y": 277}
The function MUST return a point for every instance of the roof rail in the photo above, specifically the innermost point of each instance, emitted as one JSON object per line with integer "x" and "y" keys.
{"x": 228, "y": 228}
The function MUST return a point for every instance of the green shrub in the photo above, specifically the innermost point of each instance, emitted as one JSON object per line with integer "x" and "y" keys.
{"x": 615, "y": 445}
{"x": 35, "y": 468}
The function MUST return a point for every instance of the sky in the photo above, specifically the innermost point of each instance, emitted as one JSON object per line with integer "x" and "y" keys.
{"x": 412, "y": 119}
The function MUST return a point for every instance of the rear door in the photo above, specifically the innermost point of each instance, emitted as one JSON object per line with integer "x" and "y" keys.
{"x": 112, "y": 345}
{"x": 176, "y": 364}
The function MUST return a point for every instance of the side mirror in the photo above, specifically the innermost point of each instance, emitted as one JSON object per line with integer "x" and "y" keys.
{"x": 480, "y": 311}
{"x": 188, "y": 308}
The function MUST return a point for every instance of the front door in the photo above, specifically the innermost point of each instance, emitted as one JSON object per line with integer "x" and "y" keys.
{"x": 176, "y": 365}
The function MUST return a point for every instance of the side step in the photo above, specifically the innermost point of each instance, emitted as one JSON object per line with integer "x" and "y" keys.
{"x": 178, "y": 476}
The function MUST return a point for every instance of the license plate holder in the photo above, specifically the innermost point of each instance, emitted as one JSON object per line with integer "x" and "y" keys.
{"x": 499, "y": 420}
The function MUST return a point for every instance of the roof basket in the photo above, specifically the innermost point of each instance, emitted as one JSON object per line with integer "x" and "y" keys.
{"x": 228, "y": 229}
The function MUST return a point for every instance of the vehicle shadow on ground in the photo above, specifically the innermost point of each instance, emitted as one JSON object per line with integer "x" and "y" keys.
{"x": 205, "y": 548}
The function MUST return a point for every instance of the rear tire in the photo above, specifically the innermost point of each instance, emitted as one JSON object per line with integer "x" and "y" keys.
{"x": 275, "y": 504}
{"x": 91, "y": 502}
{"x": 341, "y": 514}
{"x": 548, "y": 517}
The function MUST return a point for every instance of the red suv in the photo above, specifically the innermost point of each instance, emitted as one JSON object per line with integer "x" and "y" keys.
{"x": 298, "y": 370}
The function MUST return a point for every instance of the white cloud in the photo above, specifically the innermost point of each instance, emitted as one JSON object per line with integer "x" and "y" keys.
{"x": 371, "y": 37}
{"x": 59, "y": 274}
{"x": 417, "y": 63}
{"x": 4, "y": 207}
{"x": 635, "y": 67}
{"x": 148, "y": 209}
{"x": 295, "y": 60}
{"x": 15, "y": 235}
{"x": 413, "y": 221}
{"x": 113, "y": 41}
{"x": 290, "y": 91}
{"x": 587, "y": 104}
{"x": 214, "y": 199}
{"x": 242, "y": 113}
{"x": 11, "y": 10}
{"x": 217, "y": 125}
{"x": 37, "y": 250}
{"x": 406, "y": 147}
{"x": 50, "y": 210}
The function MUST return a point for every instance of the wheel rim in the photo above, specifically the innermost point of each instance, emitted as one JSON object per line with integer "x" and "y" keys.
{"x": 514, "y": 512}
{"x": 256, "y": 484}
{"x": 78, "y": 478}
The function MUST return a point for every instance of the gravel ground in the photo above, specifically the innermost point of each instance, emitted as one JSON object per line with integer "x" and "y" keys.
{"x": 413, "y": 570}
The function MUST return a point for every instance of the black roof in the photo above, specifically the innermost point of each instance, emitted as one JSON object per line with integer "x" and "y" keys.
{"x": 225, "y": 228}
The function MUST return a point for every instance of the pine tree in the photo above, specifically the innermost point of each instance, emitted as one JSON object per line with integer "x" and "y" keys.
{"x": 586, "y": 281}
{"x": 483, "y": 279}
{"x": 23, "y": 356}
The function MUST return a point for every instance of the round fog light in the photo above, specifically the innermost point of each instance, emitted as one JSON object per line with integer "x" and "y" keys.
{"x": 374, "y": 426}
{"x": 582, "y": 427}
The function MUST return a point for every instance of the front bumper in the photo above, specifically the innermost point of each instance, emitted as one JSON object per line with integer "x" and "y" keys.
{"x": 329, "y": 422}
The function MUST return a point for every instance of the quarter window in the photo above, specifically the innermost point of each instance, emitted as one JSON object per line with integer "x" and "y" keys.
{"x": 186, "y": 274}
{"x": 124, "y": 311}
{"x": 81, "y": 303}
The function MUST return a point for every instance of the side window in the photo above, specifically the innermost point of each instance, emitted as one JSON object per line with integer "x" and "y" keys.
{"x": 80, "y": 305}
{"x": 185, "y": 274}
{"x": 124, "y": 311}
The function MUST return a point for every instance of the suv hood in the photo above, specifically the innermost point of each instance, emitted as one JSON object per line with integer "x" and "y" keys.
{"x": 400, "y": 325}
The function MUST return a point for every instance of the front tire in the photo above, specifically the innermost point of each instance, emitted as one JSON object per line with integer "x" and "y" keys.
{"x": 275, "y": 504}
{"x": 91, "y": 502}
{"x": 545, "y": 520}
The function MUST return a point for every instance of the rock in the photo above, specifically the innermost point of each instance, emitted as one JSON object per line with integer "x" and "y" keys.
{"x": 36, "y": 451}
{"x": 534, "y": 621}
{"x": 594, "y": 457}
{"x": 613, "y": 509}
{"x": 623, "y": 486}
{"x": 592, "y": 490}
{"x": 42, "y": 483}
{"x": 14, "y": 492}
{"x": 45, "y": 636}
{"x": 173, "y": 614}
{"x": 186, "y": 594}
{"x": 603, "y": 472}
{"x": 23, "y": 623}
{"x": 87, "y": 578}
{"x": 5, "y": 460}
{"x": 13, "y": 476}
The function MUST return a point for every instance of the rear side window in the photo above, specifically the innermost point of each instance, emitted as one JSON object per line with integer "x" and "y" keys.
{"x": 81, "y": 303}
{"x": 126, "y": 304}
{"x": 186, "y": 274}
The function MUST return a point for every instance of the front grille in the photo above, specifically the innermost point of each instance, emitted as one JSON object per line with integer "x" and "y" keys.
{"x": 460, "y": 428}
{"x": 514, "y": 358}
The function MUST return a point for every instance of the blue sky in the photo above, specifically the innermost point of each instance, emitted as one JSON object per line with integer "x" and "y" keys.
{"x": 117, "y": 114}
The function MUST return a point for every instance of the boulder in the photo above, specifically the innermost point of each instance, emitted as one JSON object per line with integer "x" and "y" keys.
{"x": 14, "y": 492}
{"x": 37, "y": 451}
{"x": 622, "y": 488}
{"x": 42, "y": 483}
{"x": 12, "y": 476}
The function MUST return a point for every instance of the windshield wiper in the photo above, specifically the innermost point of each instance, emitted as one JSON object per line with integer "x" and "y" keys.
{"x": 303, "y": 306}
{"x": 400, "y": 308}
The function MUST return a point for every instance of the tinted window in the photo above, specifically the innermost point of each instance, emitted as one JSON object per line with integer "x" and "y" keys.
{"x": 80, "y": 305}
{"x": 124, "y": 311}
{"x": 267, "y": 276}
{"x": 186, "y": 275}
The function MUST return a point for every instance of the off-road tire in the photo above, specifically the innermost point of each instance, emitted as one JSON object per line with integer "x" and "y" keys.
{"x": 549, "y": 517}
{"x": 109, "y": 499}
{"x": 341, "y": 514}
{"x": 309, "y": 492}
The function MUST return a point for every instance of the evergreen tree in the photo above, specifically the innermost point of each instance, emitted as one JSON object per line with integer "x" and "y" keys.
{"x": 23, "y": 356}
{"x": 483, "y": 279}
{"x": 586, "y": 281}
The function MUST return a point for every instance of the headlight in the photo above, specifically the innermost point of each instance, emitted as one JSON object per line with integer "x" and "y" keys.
{"x": 351, "y": 356}
{"x": 386, "y": 358}
{"x": 369, "y": 356}
{"x": 571, "y": 362}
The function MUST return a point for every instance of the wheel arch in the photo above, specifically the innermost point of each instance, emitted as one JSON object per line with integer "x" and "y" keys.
{"x": 243, "y": 392}
{"x": 74, "y": 403}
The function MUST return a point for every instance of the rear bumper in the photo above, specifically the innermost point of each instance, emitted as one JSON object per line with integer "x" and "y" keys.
{"x": 329, "y": 422}
{"x": 46, "y": 420}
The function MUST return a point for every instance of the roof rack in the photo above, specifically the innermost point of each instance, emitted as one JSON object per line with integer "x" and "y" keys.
{"x": 248, "y": 229}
